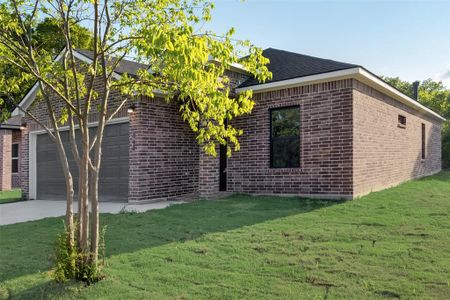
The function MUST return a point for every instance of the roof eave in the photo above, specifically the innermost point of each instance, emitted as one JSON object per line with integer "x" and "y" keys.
{"x": 358, "y": 73}
{"x": 10, "y": 126}
{"x": 28, "y": 99}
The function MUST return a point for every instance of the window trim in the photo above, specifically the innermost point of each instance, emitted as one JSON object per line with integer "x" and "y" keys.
{"x": 15, "y": 158}
{"x": 270, "y": 136}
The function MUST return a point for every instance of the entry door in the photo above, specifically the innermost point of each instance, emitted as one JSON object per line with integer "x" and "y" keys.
{"x": 223, "y": 168}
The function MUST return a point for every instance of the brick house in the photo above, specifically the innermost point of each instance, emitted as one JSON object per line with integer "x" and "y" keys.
{"x": 319, "y": 128}
{"x": 10, "y": 139}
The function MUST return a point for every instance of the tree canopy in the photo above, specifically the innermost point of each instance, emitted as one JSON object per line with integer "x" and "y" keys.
{"x": 47, "y": 37}
{"x": 168, "y": 35}
{"x": 433, "y": 94}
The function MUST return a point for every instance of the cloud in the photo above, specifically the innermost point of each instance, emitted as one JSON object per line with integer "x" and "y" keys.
{"x": 446, "y": 82}
{"x": 446, "y": 75}
{"x": 445, "y": 78}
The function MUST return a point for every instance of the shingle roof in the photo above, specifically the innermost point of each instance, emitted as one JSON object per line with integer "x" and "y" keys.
{"x": 125, "y": 66}
{"x": 287, "y": 65}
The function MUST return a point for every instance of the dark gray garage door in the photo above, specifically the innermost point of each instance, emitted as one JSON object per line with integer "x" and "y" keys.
{"x": 113, "y": 185}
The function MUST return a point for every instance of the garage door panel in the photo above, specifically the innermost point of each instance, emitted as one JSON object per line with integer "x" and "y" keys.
{"x": 113, "y": 183}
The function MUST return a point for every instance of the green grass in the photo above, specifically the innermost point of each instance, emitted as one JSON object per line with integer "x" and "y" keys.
{"x": 10, "y": 196}
{"x": 389, "y": 244}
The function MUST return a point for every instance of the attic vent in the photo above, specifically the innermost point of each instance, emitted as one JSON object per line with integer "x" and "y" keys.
{"x": 401, "y": 121}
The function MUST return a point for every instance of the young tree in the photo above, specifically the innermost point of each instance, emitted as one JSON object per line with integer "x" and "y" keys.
{"x": 167, "y": 35}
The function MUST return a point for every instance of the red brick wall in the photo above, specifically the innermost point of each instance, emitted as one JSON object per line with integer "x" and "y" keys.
{"x": 24, "y": 164}
{"x": 350, "y": 145}
{"x": 5, "y": 159}
{"x": 325, "y": 142}
{"x": 385, "y": 154}
{"x": 164, "y": 156}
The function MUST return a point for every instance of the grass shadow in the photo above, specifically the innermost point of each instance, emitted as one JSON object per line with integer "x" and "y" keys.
{"x": 26, "y": 248}
{"x": 47, "y": 290}
{"x": 444, "y": 176}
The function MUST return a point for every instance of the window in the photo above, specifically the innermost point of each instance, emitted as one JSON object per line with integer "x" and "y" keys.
{"x": 285, "y": 137}
{"x": 15, "y": 158}
{"x": 401, "y": 121}
{"x": 423, "y": 141}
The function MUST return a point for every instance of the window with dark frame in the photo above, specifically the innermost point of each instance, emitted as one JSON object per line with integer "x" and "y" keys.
{"x": 423, "y": 141}
{"x": 401, "y": 121}
{"x": 285, "y": 137}
{"x": 15, "y": 158}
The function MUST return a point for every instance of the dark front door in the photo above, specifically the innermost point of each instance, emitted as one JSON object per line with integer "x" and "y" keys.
{"x": 223, "y": 168}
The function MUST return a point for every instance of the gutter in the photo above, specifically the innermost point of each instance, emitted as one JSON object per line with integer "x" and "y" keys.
{"x": 10, "y": 126}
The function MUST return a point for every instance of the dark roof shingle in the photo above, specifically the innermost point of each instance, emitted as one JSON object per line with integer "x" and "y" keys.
{"x": 125, "y": 66}
{"x": 287, "y": 65}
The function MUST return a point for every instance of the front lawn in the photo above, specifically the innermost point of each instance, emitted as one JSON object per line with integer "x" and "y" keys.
{"x": 390, "y": 244}
{"x": 10, "y": 196}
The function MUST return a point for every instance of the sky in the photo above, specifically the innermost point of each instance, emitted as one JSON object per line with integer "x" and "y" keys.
{"x": 408, "y": 39}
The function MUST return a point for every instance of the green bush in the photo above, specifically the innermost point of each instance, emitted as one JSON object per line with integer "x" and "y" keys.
{"x": 72, "y": 264}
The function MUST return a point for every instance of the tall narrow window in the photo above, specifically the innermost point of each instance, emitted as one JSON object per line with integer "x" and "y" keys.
{"x": 285, "y": 137}
{"x": 15, "y": 158}
{"x": 423, "y": 141}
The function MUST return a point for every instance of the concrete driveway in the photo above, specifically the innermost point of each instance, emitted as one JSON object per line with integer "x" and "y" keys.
{"x": 24, "y": 211}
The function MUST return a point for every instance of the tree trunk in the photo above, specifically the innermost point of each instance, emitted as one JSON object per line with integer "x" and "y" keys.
{"x": 80, "y": 219}
{"x": 69, "y": 210}
{"x": 69, "y": 191}
{"x": 84, "y": 190}
{"x": 95, "y": 226}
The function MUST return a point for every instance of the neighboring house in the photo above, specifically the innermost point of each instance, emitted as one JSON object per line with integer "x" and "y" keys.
{"x": 319, "y": 128}
{"x": 10, "y": 139}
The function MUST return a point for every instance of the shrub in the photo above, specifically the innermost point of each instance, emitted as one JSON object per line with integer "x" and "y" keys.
{"x": 68, "y": 261}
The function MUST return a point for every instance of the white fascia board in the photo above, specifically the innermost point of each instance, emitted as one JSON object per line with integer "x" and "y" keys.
{"x": 357, "y": 73}
{"x": 31, "y": 95}
{"x": 233, "y": 66}
{"x": 28, "y": 99}
{"x": 238, "y": 67}
{"x": 323, "y": 77}
{"x": 10, "y": 126}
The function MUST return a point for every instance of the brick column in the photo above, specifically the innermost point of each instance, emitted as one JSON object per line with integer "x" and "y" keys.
{"x": 24, "y": 163}
{"x": 208, "y": 178}
{"x": 5, "y": 159}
